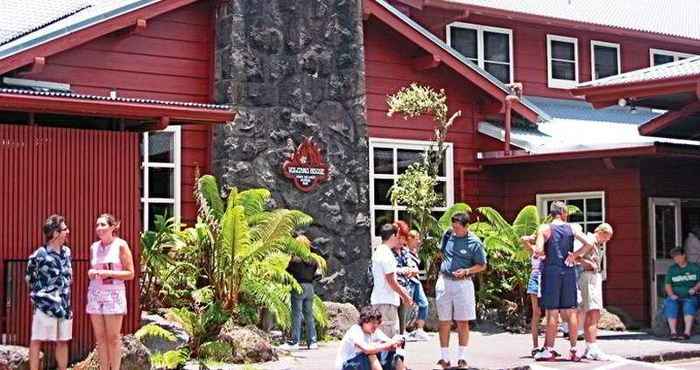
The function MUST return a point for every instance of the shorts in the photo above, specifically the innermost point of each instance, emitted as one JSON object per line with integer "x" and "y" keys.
{"x": 534, "y": 285}
{"x": 690, "y": 307}
{"x": 106, "y": 302}
{"x": 559, "y": 289}
{"x": 591, "y": 285}
{"x": 361, "y": 361}
{"x": 50, "y": 329}
{"x": 455, "y": 299}
{"x": 390, "y": 319}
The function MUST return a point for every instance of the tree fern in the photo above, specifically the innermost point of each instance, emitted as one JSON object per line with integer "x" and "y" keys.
{"x": 154, "y": 331}
{"x": 170, "y": 360}
{"x": 253, "y": 201}
{"x": 211, "y": 207}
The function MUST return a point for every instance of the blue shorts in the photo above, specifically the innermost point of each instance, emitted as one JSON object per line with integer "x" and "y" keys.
{"x": 690, "y": 307}
{"x": 559, "y": 289}
{"x": 534, "y": 284}
{"x": 361, "y": 361}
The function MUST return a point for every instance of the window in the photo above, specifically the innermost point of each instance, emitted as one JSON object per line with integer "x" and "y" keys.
{"x": 562, "y": 62}
{"x": 605, "y": 59}
{"x": 387, "y": 160}
{"x": 160, "y": 186}
{"x": 490, "y": 48}
{"x": 658, "y": 56}
{"x": 591, "y": 204}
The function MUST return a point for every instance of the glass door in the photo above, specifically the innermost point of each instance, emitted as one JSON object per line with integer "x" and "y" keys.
{"x": 664, "y": 234}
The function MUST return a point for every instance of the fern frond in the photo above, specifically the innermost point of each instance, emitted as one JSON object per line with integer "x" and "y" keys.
{"x": 273, "y": 296}
{"x": 320, "y": 313}
{"x": 216, "y": 351}
{"x": 253, "y": 200}
{"x": 170, "y": 360}
{"x": 154, "y": 331}
{"x": 211, "y": 206}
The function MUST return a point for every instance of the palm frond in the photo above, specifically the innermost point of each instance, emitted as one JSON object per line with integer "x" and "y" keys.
{"x": 446, "y": 218}
{"x": 527, "y": 221}
{"x": 211, "y": 206}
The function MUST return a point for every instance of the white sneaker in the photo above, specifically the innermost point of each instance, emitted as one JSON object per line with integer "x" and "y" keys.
{"x": 313, "y": 345}
{"x": 289, "y": 347}
{"x": 544, "y": 355}
{"x": 596, "y": 354}
{"x": 421, "y": 335}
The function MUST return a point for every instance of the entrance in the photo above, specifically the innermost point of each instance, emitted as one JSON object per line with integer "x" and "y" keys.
{"x": 670, "y": 220}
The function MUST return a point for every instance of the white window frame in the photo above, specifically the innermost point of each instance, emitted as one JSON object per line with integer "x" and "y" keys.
{"x": 480, "y": 61}
{"x": 674, "y": 54}
{"x": 397, "y": 144}
{"x": 612, "y": 45}
{"x": 556, "y": 83}
{"x": 176, "y": 166}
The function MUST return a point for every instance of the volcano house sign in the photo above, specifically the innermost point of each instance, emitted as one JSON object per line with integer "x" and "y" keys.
{"x": 306, "y": 166}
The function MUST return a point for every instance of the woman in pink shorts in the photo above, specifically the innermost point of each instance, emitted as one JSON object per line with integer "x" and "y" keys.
{"x": 111, "y": 264}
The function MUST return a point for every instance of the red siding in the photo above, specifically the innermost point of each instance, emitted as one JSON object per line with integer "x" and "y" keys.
{"x": 170, "y": 60}
{"x": 75, "y": 173}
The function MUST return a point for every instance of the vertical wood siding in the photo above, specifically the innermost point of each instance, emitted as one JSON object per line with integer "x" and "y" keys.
{"x": 78, "y": 174}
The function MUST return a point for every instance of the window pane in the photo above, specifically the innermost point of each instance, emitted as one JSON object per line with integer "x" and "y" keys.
{"x": 590, "y": 228}
{"x": 662, "y": 59}
{"x": 161, "y": 147}
{"x": 160, "y": 183}
{"x": 406, "y": 157}
{"x": 605, "y": 61}
{"x": 500, "y": 71}
{"x": 381, "y": 218}
{"x": 381, "y": 188}
{"x": 562, "y": 50}
{"x": 405, "y": 216}
{"x": 158, "y": 209}
{"x": 496, "y": 47}
{"x": 594, "y": 210}
{"x": 383, "y": 161}
{"x": 578, "y": 217}
{"x": 665, "y": 230}
{"x": 564, "y": 70}
{"x": 437, "y": 214}
{"x": 440, "y": 189}
{"x": 464, "y": 41}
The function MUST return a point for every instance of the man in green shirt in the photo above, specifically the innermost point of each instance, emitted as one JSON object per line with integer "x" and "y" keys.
{"x": 682, "y": 286}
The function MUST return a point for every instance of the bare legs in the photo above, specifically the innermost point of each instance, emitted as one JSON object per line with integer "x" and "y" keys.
{"x": 34, "y": 352}
{"x": 571, "y": 318}
{"x": 107, "y": 329}
{"x": 535, "y": 320}
{"x": 61, "y": 354}
{"x": 590, "y": 325}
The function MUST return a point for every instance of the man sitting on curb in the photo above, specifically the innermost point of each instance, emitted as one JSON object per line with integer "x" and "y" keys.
{"x": 682, "y": 288}
{"x": 365, "y": 347}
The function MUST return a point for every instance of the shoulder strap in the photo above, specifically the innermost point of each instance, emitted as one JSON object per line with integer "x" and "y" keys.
{"x": 445, "y": 238}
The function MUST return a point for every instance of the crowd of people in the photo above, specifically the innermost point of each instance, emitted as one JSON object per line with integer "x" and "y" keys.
{"x": 50, "y": 277}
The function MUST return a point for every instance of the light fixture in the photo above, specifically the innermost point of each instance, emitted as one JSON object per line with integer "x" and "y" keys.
{"x": 622, "y": 102}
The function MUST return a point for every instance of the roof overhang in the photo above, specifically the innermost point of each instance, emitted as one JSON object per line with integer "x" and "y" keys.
{"x": 161, "y": 114}
{"x": 668, "y": 93}
{"x": 439, "y": 52}
{"x": 643, "y": 150}
{"x": 682, "y": 124}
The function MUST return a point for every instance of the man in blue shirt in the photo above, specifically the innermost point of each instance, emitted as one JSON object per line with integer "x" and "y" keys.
{"x": 50, "y": 275}
{"x": 463, "y": 255}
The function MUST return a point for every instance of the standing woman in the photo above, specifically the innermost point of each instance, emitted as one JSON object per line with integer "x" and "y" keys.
{"x": 111, "y": 264}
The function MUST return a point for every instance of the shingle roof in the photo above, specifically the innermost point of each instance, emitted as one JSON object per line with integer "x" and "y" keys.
{"x": 682, "y": 68}
{"x": 27, "y": 23}
{"x": 668, "y": 17}
{"x": 576, "y": 125}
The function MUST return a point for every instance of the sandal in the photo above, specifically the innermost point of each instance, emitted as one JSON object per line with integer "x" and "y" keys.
{"x": 684, "y": 337}
{"x": 675, "y": 337}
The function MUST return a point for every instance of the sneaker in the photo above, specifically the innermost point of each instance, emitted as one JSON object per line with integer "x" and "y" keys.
{"x": 462, "y": 364}
{"x": 444, "y": 363}
{"x": 420, "y": 335}
{"x": 313, "y": 345}
{"x": 595, "y": 354}
{"x": 544, "y": 355}
{"x": 573, "y": 356}
{"x": 535, "y": 351}
{"x": 289, "y": 347}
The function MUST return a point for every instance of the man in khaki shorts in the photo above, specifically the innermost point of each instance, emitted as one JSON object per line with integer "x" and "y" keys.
{"x": 590, "y": 283}
{"x": 463, "y": 255}
{"x": 50, "y": 275}
{"x": 387, "y": 293}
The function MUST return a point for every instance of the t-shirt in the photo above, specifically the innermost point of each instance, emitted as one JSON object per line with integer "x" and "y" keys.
{"x": 383, "y": 262}
{"x": 353, "y": 336}
{"x": 461, "y": 252}
{"x": 683, "y": 279}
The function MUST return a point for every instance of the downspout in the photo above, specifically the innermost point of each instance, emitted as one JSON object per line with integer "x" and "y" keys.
{"x": 514, "y": 95}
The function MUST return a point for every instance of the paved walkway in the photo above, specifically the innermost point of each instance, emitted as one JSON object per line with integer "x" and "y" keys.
{"x": 511, "y": 351}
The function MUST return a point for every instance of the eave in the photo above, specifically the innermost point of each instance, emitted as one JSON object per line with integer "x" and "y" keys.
{"x": 603, "y": 96}
{"x": 666, "y": 121}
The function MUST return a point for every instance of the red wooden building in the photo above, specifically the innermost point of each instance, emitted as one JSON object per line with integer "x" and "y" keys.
{"x": 104, "y": 107}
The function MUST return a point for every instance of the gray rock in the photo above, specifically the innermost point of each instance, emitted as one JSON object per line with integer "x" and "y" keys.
{"x": 135, "y": 356}
{"x": 14, "y": 357}
{"x": 249, "y": 344}
{"x": 341, "y": 316}
{"x": 155, "y": 344}
{"x": 610, "y": 321}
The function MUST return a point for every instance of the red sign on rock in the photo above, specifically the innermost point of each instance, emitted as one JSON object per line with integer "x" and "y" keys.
{"x": 306, "y": 166}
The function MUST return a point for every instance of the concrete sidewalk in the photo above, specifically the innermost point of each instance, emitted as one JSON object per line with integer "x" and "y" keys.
{"x": 512, "y": 351}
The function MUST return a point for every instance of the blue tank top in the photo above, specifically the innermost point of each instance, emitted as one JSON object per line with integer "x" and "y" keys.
{"x": 558, "y": 246}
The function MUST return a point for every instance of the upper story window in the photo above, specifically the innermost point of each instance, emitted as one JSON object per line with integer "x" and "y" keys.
{"x": 490, "y": 48}
{"x": 562, "y": 62}
{"x": 160, "y": 163}
{"x": 605, "y": 59}
{"x": 658, "y": 56}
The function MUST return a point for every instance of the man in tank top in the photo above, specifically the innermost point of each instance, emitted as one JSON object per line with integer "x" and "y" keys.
{"x": 559, "y": 289}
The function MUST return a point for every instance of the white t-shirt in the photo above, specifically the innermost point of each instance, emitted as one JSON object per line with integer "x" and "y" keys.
{"x": 383, "y": 262}
{"x": 353, "y": 336}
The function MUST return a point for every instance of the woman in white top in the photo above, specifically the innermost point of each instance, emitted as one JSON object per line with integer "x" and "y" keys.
{"x": 111, "y": 264}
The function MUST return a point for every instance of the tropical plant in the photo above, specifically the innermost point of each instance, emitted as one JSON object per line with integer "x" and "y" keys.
{"x": 163, "y": 360}
{"x": 201, "y": 325}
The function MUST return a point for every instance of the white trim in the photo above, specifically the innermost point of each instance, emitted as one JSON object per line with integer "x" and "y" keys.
{"x": 674, "y": 54}
{"x": 653, "y": 261}
{"x": 176, "y": 165}
{"x": 541, "y": 200}
{"x": 556, "y": 83}
{"x": 480, "y": 59}
{"x": 399, "y": 144}
{"x": 611, "y": 45}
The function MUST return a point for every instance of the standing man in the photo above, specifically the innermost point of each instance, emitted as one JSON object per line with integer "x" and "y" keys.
{"x": 559, "y": 289}
{"x": 387, "y": 294}
{"x": 463, "y": 256}
{"x": 50, "y": 275}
